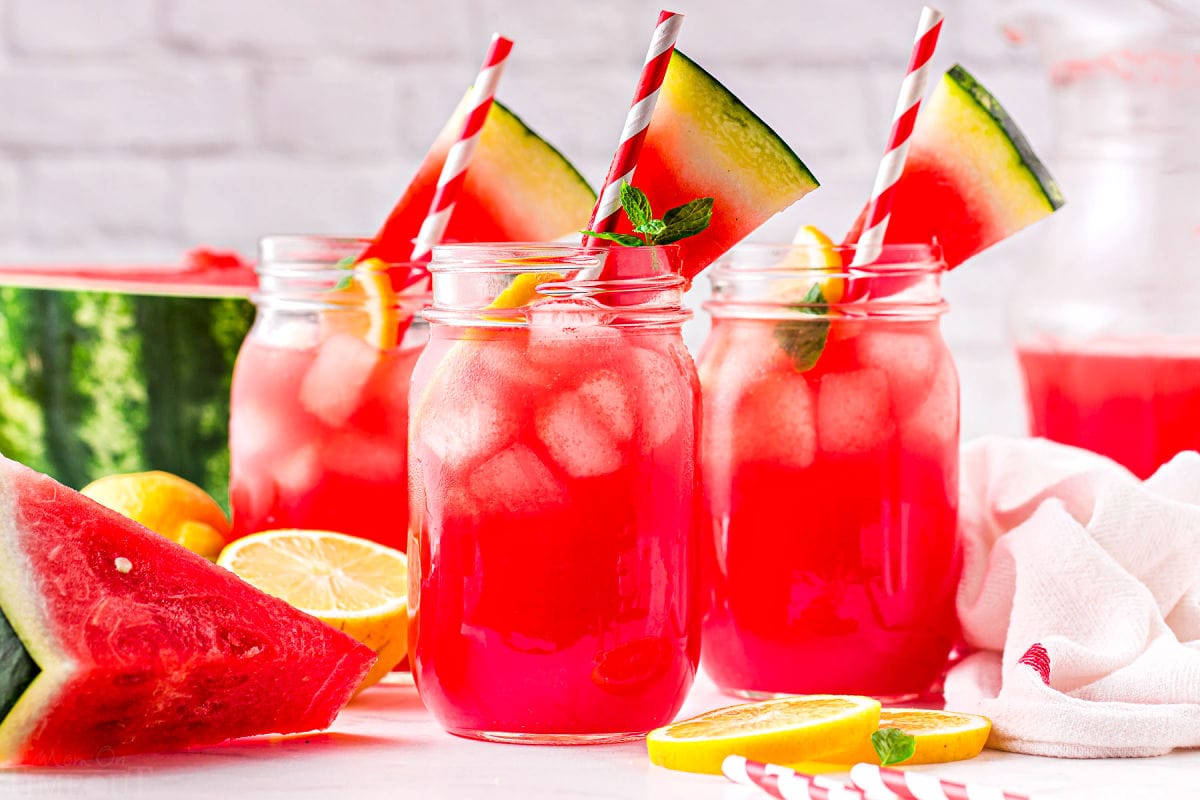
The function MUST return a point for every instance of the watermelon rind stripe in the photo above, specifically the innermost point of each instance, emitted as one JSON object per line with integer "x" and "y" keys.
{"x": 740, "y": 109}
{"x": 552, "y": 151}
{"x": 20, "y": 601}
{"x": 991, "y": 106}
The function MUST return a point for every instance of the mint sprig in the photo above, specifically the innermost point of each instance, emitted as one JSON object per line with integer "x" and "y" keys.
{"x": 347, "y": 264}
{"x": 893, "y": 745}
{"x": 677, "y": 223}
{"x": 804, "y": 340}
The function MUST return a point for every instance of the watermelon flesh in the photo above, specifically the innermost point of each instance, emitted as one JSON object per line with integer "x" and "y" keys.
{"x": 518, "y": 188}
{"x": 971, "y": 178}
{"x": 133, "y": 644}
{"x": 704, "y": 142}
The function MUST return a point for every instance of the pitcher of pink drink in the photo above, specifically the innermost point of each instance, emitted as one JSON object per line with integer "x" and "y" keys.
{"x": 1106, "y": 324}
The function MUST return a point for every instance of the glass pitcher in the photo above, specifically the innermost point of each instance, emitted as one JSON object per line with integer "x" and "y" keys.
{"x": 1107, "y": 326}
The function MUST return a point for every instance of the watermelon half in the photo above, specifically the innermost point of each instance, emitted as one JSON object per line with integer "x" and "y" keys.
{"x": 970, "y": 179}
{"x": 518, "y": 188}
{"x": 704, "y": 142}
{"x": 115, "y": 641}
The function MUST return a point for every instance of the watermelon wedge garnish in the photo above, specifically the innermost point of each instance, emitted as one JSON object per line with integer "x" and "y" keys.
{"x": 970, "y": 179}
{"x": 518, "y": 188}
{"x": 114, "y": 640}
{"x": 704, "y": 142}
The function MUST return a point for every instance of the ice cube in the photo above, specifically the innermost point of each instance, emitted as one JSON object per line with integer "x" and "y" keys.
{"x": 566, "y": 331}
{"x": 515, "y": 482}
{"x": 579, "y": 439}
{"x": 774, "y": 422}
{"x": 466, "y": 421}
{"x": 907, "y": 357}
{"x": 298, "y": 472}
{"x": 372, "y": 458}
{"x": 933, "y": 424}
{"x": 665, "y": 398}
{"x": 333, "y": 386}
{"x": 854, "y": 412}
{"x": 606, "y": 396}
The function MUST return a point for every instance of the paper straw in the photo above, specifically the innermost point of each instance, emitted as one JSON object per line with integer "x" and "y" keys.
{"x": 658, "y": 58}
{"x": 454, "y": 169}
{"x": 922, "y": 786}
{"x": 870, "y": 243}
{"x": 787, "y": 784}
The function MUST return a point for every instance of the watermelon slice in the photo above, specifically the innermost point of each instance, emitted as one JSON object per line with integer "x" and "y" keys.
{"x": 704, "y": 142}
{"x": 518, "y": 189}
{"x": 116, "y": 641}
{"x": 971, "y": 178}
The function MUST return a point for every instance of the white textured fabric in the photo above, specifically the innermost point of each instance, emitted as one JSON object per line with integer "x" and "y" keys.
{"x": 1067, "y": 550}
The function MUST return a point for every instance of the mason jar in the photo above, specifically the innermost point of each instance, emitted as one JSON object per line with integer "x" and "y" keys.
{"x": 319, "y": 410}
{"x": 553, "y": 568}
{"x": 830, "y": 473}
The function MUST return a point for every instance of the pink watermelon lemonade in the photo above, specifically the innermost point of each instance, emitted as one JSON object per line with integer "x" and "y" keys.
{"x": 552, "y": 578}
{"x": 830, "y": 469}
{"x": 319, "y": 413}
{"x": 1135, "y": 401}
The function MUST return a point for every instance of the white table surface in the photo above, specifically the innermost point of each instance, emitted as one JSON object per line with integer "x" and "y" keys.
{"x": 385, "y": 745}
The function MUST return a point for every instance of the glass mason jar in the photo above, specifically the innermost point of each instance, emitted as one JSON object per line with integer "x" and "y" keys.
{"x": 830, "y": 474}
{"x": 319, "y": 413}
{"x": 1106, "y": 329}
{"x": 553, "y": 570}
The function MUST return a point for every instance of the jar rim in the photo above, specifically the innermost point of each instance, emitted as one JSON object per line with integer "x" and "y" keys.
{"x": 803, "y": 259}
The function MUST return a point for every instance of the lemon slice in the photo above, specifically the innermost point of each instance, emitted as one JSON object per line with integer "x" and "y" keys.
{"x": 168, "y": 505}
{"x": 815, "y": 251}
{"x": 940, "y": 736}
{"x": 524, "y": 289}
{"x": 781, "y": 731}
{"x": 355, "y": 585}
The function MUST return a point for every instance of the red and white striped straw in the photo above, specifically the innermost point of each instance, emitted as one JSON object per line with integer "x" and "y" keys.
{"x": 787, "y": 784}
{"x": 922, "y": 786}
{"x": 658, "y": 58}
{"x": 870, "y": 243}
{"x": 454, "y": 169}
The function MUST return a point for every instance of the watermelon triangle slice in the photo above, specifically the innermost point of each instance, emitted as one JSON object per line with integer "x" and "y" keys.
{"x": 116, "y": 641}
{"x": 704, "y": 142}
{"x": 971, "y": 178}
{"x": 518, "y": 188}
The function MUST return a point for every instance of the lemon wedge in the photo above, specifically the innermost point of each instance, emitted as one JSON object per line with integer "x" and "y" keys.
{"x": 355, "y": 585}
{"x": 781, "y": 731}
{"x": 168, "y": 505}
{"x": 816, "y": 252}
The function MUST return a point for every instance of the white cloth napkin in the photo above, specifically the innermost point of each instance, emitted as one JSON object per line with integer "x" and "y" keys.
{"x": 1081, "y": 591}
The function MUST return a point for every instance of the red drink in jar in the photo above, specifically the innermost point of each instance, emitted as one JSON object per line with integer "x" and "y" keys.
{"x": 319, "y": 413}
{"x": 830, "y": 473}
{"x": 552, "y": 572}
{"x": 1136, "y": 401}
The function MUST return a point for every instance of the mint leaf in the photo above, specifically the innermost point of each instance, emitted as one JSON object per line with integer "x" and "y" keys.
{"x": 893, "y": 745}
{"x": 347, "y": 263}
{"x": 652, "y": 227}
{"x": 636, "y": 205}
{"x": 686, "y": 220}
{"x": 627, "y": 239}
{"x": 804, "y": 340}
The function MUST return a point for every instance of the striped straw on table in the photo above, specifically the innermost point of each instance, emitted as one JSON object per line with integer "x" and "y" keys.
{"x": 879, "y": 209}
{"x": 787, "y": 784}
{"x": 658, "y": 58}
{"x": 922, "y": 786}
{"x": 454, "y": 170}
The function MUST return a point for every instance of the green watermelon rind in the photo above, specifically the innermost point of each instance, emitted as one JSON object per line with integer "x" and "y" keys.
{"x": 1007, "y": 126}
{"x": 18, "y": 593}
{"x": 739, "y": 110}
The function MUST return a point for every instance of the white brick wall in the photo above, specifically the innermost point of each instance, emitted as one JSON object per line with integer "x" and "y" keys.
{"x": 134, "y": 129}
